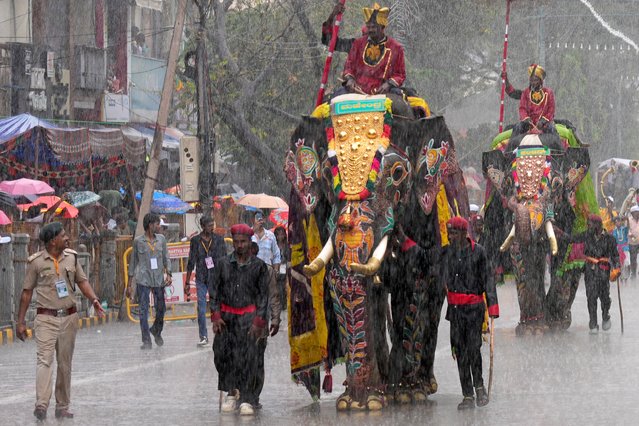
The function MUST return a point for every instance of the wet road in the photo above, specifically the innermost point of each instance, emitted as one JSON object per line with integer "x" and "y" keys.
{"x": 571, "y": 378}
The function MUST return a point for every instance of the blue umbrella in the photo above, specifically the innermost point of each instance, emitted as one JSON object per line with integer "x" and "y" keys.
{"x": 157, "y": 194}
{"x": 170, "y": 205}
{"x": 164, "y": 203}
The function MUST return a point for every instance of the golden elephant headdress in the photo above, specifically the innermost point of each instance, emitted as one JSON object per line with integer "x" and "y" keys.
{"x": 377, "y": 14}
{"x": 537, "y": 70}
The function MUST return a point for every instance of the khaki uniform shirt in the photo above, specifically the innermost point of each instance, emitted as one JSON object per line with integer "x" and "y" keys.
{"x": 42, "y": 276}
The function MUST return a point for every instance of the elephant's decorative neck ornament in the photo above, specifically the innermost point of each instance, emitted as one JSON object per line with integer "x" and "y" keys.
{"x": 531, "y": 172}
{"x": 357, "y": 141}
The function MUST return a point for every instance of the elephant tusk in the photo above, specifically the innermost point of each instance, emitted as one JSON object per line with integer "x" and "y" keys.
{"x": 321, "y": 260}
{"x": 550, "y": 231}
{"x": 508, "y": 241}
{"x": 375, "y": 261}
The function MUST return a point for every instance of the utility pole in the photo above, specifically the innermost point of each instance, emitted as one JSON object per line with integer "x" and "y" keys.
{"x": 207, "y": 159}
{"x": 165, "y": 101}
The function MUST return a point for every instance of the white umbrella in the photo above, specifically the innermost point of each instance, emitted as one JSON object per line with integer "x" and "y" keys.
{"x": 262, "y": 201}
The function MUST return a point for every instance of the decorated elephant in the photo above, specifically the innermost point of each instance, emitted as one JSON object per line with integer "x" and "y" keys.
{"x": 543, "y": 180}
{"x": 437, "y": 192}
{"x": 343, "y": 158}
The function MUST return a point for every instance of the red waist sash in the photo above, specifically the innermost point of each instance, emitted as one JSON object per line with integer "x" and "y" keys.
{"x": 237, "y": 311}
{"x": 464, "y": 299}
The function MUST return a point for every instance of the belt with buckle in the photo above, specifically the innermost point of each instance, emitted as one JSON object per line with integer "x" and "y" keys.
{"x": 57, "y": 312}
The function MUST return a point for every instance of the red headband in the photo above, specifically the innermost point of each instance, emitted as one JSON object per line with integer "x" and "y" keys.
{"x": 241, "y": 229}
{"x": 457, "y": 222}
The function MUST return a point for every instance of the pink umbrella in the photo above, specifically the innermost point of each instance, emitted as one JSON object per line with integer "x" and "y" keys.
{"x": 25, "y": 187}
{"x": 4, "y": 219}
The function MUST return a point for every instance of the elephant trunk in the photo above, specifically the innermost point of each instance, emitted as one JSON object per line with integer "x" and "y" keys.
{"x": 550, "y": 232}
{"x": 522, "y": 223}
{"x": 322, "y": 259}
{"x": 374, "y": 262}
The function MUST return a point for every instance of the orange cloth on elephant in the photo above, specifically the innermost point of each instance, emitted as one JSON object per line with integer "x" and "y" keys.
{"x": 371, "y": 64}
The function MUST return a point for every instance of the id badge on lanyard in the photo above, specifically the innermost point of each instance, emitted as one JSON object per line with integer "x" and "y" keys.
{"x": 154, "y": 260}
{"x": 62, "y": 289}
{"x": 209, "y": 262}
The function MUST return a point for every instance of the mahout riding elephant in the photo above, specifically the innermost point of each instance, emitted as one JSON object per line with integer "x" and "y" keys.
{"x": 543, "y": 180}
{"x": 437, "y": 192}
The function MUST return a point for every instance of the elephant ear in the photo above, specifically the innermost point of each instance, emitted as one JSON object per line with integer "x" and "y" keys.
{"x": 576, "y": 163}
{"x": 494, "y": 167}
{"x": 302, "y": 165}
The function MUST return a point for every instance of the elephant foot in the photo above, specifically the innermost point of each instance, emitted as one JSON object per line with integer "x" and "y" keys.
{"x": 403, "y": 397}
{"x": 432, "y": 386}
{"x": 532, "y": 328}
{"x": 344, "y": 402}
{"x": 420, "y": 396}
{"x": 374, "y": 402}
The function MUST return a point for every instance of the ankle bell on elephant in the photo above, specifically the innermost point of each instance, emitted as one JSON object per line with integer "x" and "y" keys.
{"x": 538, "y": 175}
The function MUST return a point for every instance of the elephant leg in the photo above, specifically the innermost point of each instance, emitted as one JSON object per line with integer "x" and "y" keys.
{"x": 353, "y": 308}
{"x": 400, "y": 303}
{"x": 436, "y": 297}
{"x": 529, "y": 270}
{"x": 410, "y": 316}
{"x": 379, "y": 306}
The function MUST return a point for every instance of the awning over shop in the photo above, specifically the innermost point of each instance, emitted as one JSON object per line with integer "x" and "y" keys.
{"x": 68, "y": 145}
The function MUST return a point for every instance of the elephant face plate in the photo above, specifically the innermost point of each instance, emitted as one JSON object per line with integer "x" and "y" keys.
{"x": 531, "y": 170}
{"x": 357, "y": 138}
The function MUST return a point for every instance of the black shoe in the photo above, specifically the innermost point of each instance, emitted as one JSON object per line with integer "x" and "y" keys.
{"x": 468, "y": 402}
{"x": 157, "y": 337}
{"x": 146, "y": 346}
{"x": 482, "y": 396}
{"x": 63, "y": 414}
{"x": 40, "y": 413}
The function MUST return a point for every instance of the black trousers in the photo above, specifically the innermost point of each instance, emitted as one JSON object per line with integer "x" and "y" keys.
{"x": 258, "y": 384}
{"x": 597, "y": 287}
{"x": 465, "y": 340}
{"x": 238, "y": 357}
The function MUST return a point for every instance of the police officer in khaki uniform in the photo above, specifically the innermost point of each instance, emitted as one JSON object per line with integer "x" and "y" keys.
{"x": 54, "y": 273}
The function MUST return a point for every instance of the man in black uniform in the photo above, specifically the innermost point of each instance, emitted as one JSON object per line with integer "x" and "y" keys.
{"x": 466, "y": 275}
{"x": 239, "y": 298}
{"x": 602, "y": 266}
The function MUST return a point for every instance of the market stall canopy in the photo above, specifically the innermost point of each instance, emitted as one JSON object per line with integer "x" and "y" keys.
{"x": 25, "y": 187}
{"x": 82, "y": 198}
{"x": 262, "y": 201}
{"x": 67, "y": 210}
{"x": 4, "y": 219}
{"x": 23, "y": 135}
